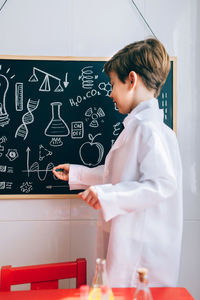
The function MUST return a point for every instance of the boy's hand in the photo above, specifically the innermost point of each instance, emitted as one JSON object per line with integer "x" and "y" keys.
{"x": 90, "y": 197}
{"x": 62, "y": 171}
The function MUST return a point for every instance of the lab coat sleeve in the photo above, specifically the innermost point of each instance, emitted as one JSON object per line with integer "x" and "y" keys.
{"x": 157, "y": 178}
{"x": 81, "y": 177}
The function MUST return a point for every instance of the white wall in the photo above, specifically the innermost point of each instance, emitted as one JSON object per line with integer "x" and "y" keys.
{"x": 40, "y": 231}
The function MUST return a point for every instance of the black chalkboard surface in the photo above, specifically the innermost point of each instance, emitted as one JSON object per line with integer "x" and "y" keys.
{"x": 56, "y": 110}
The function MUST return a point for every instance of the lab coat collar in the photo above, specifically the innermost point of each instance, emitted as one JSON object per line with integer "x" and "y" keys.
{"x": 138, "y": 111}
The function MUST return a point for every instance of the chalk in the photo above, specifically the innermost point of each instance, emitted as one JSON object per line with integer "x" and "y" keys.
{"x": 60, "y": 170}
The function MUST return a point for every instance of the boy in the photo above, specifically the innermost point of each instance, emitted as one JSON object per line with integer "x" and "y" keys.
{"x": 139, "y": 189}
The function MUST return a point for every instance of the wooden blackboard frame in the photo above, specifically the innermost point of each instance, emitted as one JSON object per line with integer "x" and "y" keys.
{"x": 72, "y": 58}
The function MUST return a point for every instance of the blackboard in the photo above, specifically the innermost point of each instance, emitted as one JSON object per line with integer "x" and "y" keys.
{"x": 55, "y": 110}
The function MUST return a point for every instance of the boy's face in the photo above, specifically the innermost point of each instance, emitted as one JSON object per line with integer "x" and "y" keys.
{"x": 122, "y": 93}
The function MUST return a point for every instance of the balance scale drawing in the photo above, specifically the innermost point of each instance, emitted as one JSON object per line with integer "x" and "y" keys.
{"x": 45, "y": 86}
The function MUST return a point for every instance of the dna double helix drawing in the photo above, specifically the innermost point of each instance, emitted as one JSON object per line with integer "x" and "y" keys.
{"x": 27, "y": 118}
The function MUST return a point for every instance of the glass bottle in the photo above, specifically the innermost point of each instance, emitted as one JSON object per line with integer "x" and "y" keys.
{"x": 84, "y": 292}
{"x": 142, "y": 290}
{"x": 100, "y": 283}
{"x": 105, "y": 292}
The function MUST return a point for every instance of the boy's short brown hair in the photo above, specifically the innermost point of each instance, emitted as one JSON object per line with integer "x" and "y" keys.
{"x": 148, "y": 58}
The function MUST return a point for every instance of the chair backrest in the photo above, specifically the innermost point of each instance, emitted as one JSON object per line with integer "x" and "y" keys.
{"x": 44, "y": 276}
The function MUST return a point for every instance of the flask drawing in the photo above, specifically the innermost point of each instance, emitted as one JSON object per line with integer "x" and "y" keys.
{"x": 4, "y": 117}
{"x": 57, "y": 127}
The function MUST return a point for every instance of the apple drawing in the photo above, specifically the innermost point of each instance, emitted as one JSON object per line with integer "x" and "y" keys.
{"x": 91, "y": 153}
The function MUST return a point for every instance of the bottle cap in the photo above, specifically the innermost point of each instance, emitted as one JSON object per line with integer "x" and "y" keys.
{"x": 142, "y": 271}
{"x": 142, "y": 274}
{"x": 100, "y": 260}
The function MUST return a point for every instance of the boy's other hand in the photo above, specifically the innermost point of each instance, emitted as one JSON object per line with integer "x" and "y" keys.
{"x": 62, "y": 171}
{"x": 90, "y": 197}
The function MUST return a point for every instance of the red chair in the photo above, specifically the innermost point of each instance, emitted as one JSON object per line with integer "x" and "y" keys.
{"x": 44, "y": 276}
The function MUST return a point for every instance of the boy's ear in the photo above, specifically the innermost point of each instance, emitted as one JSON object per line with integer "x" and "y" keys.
{"x": 133, "y": 78}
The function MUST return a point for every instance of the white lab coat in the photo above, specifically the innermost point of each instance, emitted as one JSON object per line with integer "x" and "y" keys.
{"x": 140, "y": 191}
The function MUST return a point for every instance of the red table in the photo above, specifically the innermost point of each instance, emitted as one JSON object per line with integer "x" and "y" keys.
{"x": 119, "y": 294}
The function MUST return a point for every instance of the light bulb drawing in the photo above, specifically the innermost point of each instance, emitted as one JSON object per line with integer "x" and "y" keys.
{"x": 45, "y": 86}
{"x": 4, "y": 84}
{"x": 57, "y": 127}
